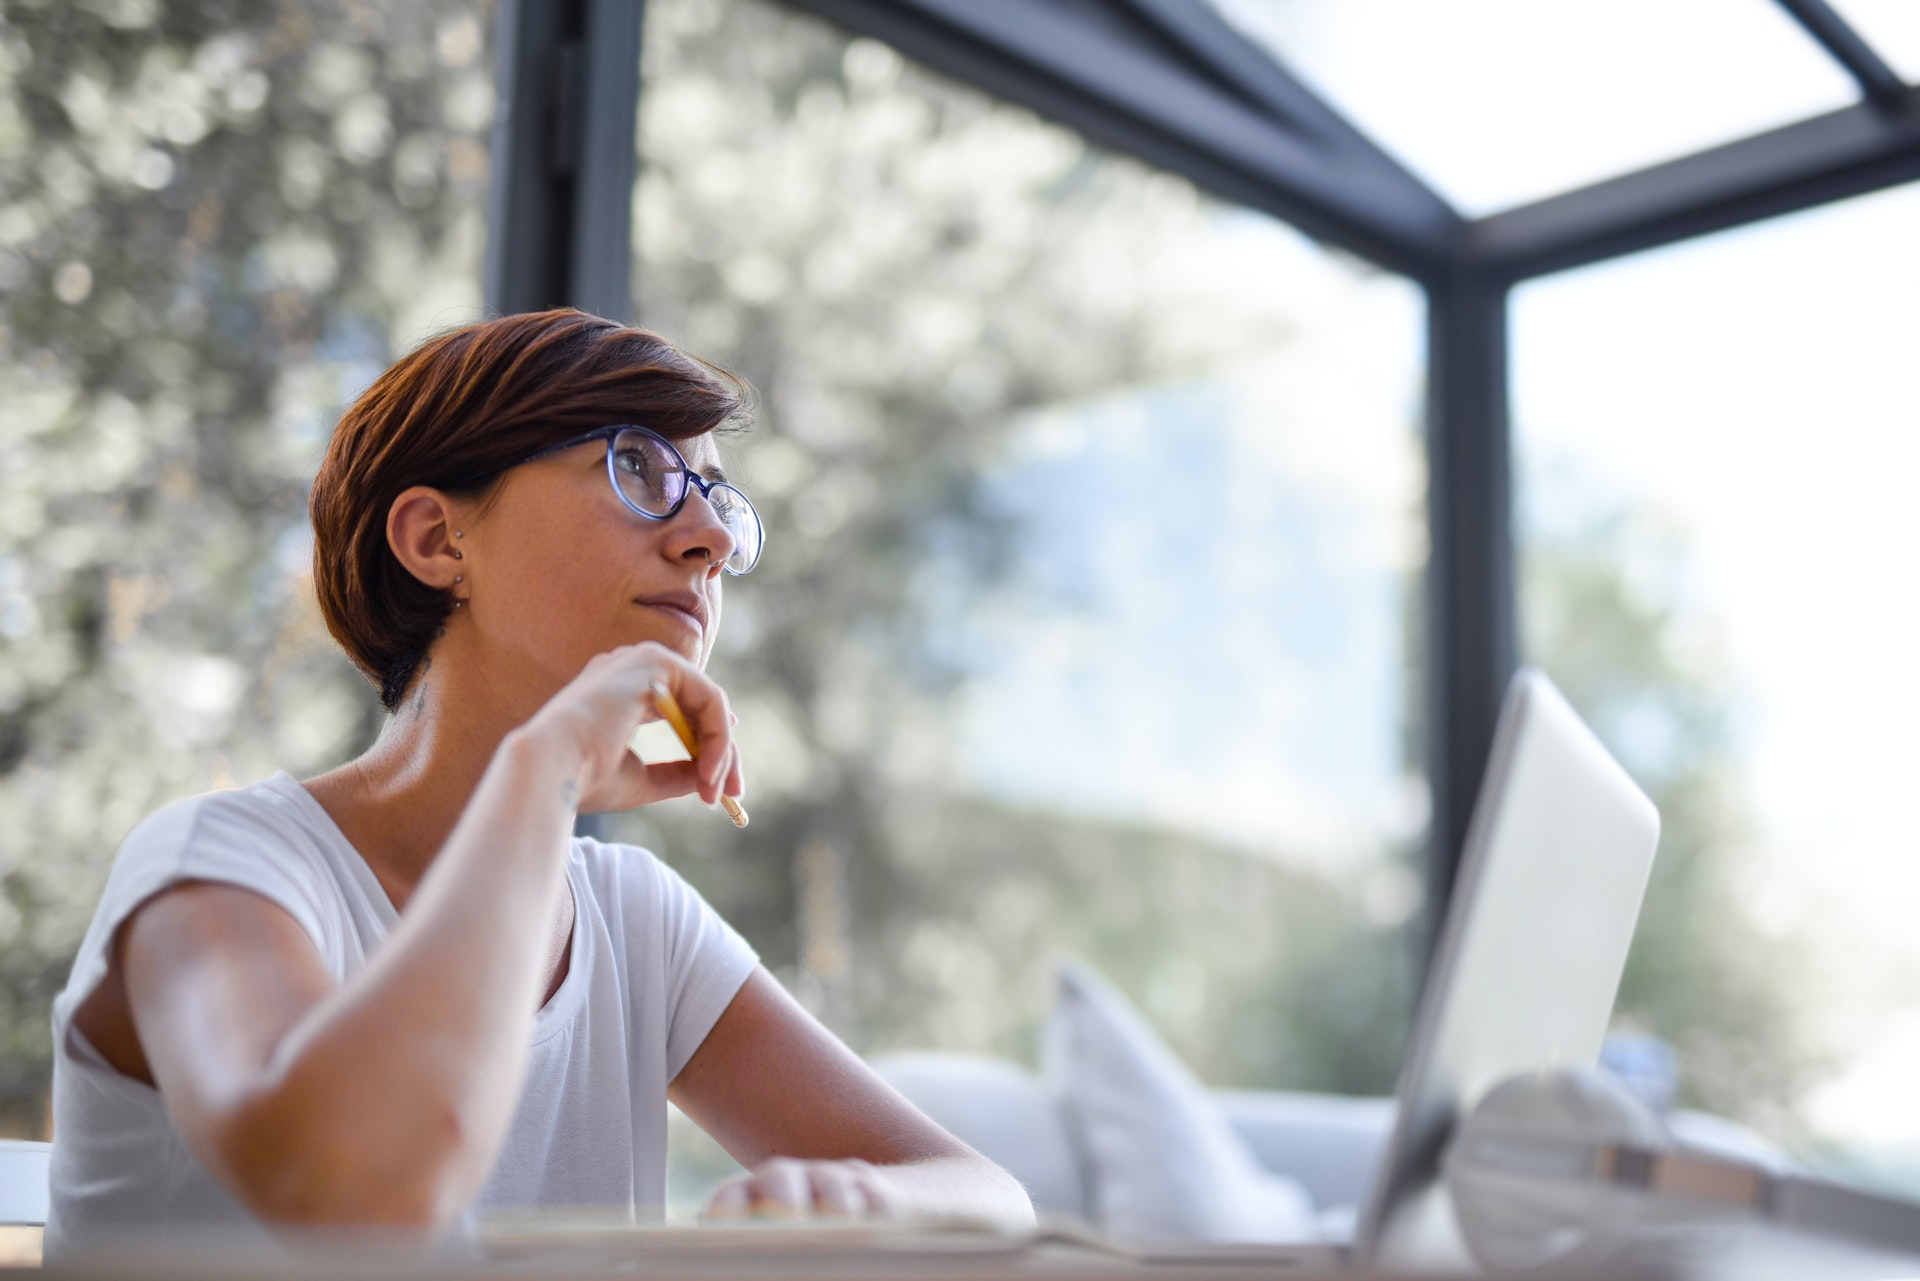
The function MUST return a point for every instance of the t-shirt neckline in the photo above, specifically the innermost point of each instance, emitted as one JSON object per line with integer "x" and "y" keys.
{"x": 553, "y": 1015}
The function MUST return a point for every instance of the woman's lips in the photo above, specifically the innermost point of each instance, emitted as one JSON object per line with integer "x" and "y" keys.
{"x": 687, "y": 609}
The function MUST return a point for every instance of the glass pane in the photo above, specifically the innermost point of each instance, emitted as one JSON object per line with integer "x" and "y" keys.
{"x": 1501, "y": 102}
{"x": 1717, "y": 462}
{"x": 1096, "y": 531}
{"x": 217, "y": 223}
{"x": 1892, "y": 27}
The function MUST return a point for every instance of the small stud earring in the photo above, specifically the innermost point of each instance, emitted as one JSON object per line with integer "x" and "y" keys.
{"x": 459, "y": 578}
{"x": 459, "y": 533}
{"x": 459, "y": 555}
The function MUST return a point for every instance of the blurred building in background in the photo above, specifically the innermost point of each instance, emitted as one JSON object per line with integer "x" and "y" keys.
{"x": 1093, "y": 618}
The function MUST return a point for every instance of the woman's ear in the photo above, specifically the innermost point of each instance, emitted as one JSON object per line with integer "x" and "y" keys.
{"x": 424, "y": 536}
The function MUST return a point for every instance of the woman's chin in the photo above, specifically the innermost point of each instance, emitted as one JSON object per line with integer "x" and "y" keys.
{"x": 690, "y": 645}
{"x": 678, "y": 630}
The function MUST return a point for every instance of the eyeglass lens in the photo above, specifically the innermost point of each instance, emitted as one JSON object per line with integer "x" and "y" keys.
{"x": 653, "y": 477}
{"x": 742, "y": 524}
{"x": 650, "y": 473}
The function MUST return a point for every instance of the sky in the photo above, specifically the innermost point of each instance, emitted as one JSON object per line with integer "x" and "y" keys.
{"x": 1757, "y": 391}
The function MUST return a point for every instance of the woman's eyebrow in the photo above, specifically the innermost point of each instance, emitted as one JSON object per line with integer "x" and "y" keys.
{"x": 715, "y": 473}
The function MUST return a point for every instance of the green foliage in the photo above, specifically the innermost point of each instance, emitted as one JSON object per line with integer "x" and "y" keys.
{"x": 1258, "y": 973}
{"x": 216, "y": 221}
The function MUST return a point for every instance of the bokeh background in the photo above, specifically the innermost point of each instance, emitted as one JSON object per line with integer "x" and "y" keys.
{"x": 1090, "y": 618}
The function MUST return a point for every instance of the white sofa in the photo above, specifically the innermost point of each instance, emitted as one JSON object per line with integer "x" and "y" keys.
{"x": 1330, "y": 1144}
{"x": 1116, "y": 1130}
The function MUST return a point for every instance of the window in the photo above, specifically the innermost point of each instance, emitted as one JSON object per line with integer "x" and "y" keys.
{"x": 1087, "y": 621}
{"x": 1717, "y": 530}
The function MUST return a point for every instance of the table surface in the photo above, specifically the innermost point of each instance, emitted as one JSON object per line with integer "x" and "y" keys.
{"x": 746, "y": 1253}
{"x": 859, "y": 1252}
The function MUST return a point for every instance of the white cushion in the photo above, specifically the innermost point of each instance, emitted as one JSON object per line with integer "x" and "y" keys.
{"x": 1333, "y": 1144}
{"x": 1163, "y": 1162}
{"x": 1003, "y": 1113}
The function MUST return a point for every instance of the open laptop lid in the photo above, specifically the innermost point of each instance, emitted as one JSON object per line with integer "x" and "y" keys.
{"x": 1529, "y": 957}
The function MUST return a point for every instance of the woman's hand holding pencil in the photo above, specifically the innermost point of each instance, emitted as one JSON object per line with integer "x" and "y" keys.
{"x": 591, "y": 720}
{"x": 663, "y": 699}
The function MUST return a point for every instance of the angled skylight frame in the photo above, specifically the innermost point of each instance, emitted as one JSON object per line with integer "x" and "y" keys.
{"x": 1169, "y": 81}
{"x": 1878, "y": 81}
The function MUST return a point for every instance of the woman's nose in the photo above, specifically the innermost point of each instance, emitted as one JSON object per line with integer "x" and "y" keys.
{"x": 697, "y": 531}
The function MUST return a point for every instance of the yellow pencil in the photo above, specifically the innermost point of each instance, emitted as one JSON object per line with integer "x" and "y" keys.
{"x": 670, "y": 709}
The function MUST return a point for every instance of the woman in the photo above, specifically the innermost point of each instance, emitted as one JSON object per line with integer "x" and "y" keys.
{"x": 401, "y": 990}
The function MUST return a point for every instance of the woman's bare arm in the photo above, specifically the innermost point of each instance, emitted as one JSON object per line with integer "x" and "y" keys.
{"x": 383, "y": 1100}
{"x": 820, "y": 1132}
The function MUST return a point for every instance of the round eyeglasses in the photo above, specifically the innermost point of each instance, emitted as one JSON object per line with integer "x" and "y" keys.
{"x": 654, "y": 480}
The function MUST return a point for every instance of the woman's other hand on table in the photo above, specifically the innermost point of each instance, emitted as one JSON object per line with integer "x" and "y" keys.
{"x": 789, "y": 1188}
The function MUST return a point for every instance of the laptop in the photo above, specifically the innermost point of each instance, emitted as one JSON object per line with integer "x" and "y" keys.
{"x": 1524, "y": 974}
{"x": 1529, "y": 957}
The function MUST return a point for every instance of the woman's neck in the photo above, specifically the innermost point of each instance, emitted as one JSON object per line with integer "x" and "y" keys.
{"x": 397, "y": 802}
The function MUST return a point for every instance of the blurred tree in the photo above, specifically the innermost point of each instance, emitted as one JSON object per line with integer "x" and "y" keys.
{"x": 217, "y": 221}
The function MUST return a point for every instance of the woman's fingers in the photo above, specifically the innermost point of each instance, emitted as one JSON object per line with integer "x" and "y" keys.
{"x": 711, "y": 721}
{"x": 634, "y": 777}
{"x": 786, "y": 1188}
{"x": 620, "y": 690}
{"x": 736, "y": 781}
{"x": 783, "y": 1188}
{"x": 668, "y": 779}
{"x": 732, "y": 1199}
{"x": 636, "y": 783}
{"x": 836, "y": 1192}
{"x": 703, "y": 704}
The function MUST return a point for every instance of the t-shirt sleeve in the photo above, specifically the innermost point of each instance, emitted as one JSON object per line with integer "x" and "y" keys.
{"x": 707, "y": 961}
{"x": 208, "y": 838}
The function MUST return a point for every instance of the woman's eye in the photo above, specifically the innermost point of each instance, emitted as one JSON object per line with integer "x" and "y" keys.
{"x": 633, "y": 462}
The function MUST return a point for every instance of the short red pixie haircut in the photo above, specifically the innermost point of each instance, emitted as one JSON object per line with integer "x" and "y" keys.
{"x": 454, "y": 414}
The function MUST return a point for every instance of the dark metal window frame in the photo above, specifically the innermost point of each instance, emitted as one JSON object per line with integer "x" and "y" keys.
{"x": 1172, "y": 83}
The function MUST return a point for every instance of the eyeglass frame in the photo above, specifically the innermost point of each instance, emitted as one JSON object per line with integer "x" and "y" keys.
{"x": 697, "y": 481}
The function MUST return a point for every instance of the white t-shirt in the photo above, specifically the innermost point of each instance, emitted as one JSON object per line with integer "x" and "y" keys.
{"x": 651, "y": 970}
